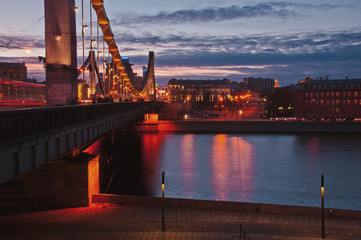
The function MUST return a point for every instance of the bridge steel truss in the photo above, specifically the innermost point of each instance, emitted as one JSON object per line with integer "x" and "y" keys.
{"x": 32, "y": 137}
{"x": 147, "y": 89}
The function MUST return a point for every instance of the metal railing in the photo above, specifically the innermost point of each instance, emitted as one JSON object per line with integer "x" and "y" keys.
{"x": 17, "y": 124}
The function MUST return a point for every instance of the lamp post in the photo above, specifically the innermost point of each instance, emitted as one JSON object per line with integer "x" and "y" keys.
{"x": 322, "y": 206}
{"x": 82, "y": 32}
{"x": 163, "y": 201}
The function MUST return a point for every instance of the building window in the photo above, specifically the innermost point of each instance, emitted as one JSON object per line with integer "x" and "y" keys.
{"x": 327, "y": 94}
{"x": 337, "y": 93}
{"x": 332, "y": 94}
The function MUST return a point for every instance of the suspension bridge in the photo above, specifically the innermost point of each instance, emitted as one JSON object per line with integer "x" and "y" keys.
{"x": 32, "y": 137}
{"x": 62, "y": 73}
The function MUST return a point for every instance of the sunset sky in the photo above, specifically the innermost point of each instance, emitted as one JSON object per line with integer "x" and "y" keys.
{"x": 209, "y": 39}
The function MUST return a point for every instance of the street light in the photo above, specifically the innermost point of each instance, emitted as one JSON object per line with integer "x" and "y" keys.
{"x": 322, "y": 206}
{"x": 163, "y": 201}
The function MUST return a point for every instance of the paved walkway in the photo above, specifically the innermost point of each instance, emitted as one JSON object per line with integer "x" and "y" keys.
{"x": 108, "y": 221}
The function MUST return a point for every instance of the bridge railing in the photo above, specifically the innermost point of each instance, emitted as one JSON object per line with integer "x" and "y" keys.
{"x": 17, "y": 124}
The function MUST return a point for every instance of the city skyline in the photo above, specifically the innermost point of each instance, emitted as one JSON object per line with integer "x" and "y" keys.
{"x": 213, "y": 39}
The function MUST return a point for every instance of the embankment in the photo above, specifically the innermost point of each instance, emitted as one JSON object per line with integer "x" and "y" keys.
{"x": 212, "y": 126}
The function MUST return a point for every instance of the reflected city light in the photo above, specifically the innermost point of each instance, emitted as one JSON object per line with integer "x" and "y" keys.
{"x": 220, "y": 167}
{"x": 232, "y": 166}
{"x": 187, "y": 153}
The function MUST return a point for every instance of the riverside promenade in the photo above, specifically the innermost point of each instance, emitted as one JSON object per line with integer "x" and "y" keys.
{"x": 133, "y": 221}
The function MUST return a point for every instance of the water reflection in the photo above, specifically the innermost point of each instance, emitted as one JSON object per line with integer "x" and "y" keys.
{"x": 232, "y": 168}
{"x": 187, "y": 158}
{"x": 278, "y": 169}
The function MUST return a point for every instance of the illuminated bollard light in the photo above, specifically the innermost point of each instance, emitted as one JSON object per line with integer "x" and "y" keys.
{"x": 322, "y": 206}
{"x": 163, "y": 201}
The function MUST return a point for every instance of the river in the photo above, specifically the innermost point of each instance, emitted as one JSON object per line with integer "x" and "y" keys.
{"x": 260, "y": 168}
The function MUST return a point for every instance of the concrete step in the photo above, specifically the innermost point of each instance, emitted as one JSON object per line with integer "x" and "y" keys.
{"x": 11, "y": 195}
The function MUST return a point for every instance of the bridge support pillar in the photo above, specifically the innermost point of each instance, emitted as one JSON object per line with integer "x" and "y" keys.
{"x": 61, "y": 56}
{"x": 62, "y": 184}
{"x": 151, "y": 77}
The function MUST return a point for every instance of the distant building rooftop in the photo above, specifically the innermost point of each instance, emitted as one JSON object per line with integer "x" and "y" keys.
{"x": 310, "y": 82}
{"x": 182, "y": 82}
{"x": 7, "y": 64}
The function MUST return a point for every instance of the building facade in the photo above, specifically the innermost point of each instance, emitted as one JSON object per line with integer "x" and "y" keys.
{"x": 260, "y": 84}
{"x": 198, "y": 90}
{"x": 328, "y": 99}
{"x": 13, "y": 71}
{"x": 21, "y": 91}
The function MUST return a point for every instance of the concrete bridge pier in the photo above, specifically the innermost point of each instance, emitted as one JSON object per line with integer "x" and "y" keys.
{"x": 62, "y": 184}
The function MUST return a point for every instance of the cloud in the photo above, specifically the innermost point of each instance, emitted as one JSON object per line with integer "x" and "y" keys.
{"x": 291, "y": 55}
{"x": 266, "y": 9}
{"x": 20, "y": 42}
{"x": 182, "y": 46}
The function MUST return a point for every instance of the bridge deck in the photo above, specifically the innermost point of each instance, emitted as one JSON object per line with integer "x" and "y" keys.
{"x": 31, "y": 137}
{"x": 16, "y": 124}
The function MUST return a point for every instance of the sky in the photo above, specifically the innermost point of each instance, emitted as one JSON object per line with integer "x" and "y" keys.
{"x": 208, "y": 39}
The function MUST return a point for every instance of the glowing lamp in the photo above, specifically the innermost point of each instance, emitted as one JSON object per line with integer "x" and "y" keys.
{"x": 163, "y": 201}
{"x": 323, "y": 206}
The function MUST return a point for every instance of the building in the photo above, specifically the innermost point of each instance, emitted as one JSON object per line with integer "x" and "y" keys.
{"x": 13, "y": 71}
{"x": 11, "y": 91}
{"x": 260, "y": 84}
{"x": 329, "y": 99}
{"x": 198, "y": 90}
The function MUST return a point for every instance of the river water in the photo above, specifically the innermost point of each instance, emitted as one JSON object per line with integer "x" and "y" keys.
{"x": 275, "y": 169}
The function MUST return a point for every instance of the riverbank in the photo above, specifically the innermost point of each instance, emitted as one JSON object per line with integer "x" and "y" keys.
{"x": 129, "y": 221}
{"x": 260, "y": 126}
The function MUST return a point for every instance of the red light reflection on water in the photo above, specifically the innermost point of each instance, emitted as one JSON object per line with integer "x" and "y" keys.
{"x": 313, "y": 148}
{"x": 232, "y": 165}
{"x": 151, "y": 145}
